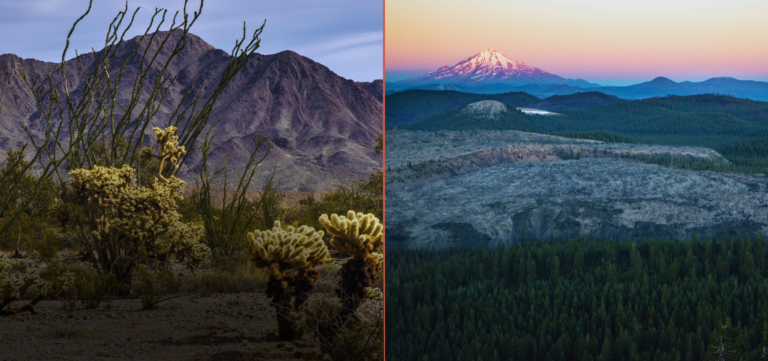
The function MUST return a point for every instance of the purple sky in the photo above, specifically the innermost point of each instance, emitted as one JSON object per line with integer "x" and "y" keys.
{"x": 344, "y": 35}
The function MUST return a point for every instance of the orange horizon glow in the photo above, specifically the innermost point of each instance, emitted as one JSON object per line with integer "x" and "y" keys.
{"x": 588, "y": 39}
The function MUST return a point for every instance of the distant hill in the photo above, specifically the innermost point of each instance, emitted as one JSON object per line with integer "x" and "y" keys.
{"x": 576, "y": 101}
{"x": 747, "y": 89}
{"x": 412, "y": 105}
{"x": 539, "y": 90}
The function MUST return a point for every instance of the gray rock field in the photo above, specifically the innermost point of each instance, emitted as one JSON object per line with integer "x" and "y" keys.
{"x": 484, "y": 188}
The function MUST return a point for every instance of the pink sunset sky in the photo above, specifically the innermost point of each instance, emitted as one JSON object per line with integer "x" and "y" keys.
{"x": 602, "y": 41}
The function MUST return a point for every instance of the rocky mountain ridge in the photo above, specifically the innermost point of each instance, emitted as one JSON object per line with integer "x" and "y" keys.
{"x": 323, "y": 127}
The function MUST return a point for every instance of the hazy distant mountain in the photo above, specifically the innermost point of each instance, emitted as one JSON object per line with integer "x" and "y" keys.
{"x": 323, "y": 126}
{"x": 488, "y": 67}
{"x": 747, "y": 89}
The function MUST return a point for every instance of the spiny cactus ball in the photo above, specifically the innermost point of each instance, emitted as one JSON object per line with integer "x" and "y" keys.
{"x": 358, "y": 235}
{"x": 288, "y": 249}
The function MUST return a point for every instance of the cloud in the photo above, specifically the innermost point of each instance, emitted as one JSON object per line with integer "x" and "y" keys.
{"x": 351, "y": 41}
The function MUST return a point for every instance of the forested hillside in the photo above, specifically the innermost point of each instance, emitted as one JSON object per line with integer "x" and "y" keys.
{"x": 578, "y": 300}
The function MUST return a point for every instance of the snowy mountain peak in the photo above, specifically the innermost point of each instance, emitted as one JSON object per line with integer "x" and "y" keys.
{"x": 488, "y": 66}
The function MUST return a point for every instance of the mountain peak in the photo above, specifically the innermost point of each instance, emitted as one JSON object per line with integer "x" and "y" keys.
{"x": 488, "y": 66}
{"x": 661, "y": 79}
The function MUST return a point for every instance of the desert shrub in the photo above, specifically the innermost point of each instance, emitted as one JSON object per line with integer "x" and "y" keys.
{"x": 16, "y": 167}
{"x": 16, "y": 280}
{"x": 357, "y": 340}
{"x": 328, "y": 279}
{"x": 92, "y": 288}
{"x": 363, "y": 341}
{"x": 290, "y": 255}
{"x": 245, "y": 278}
{"x": 46, "y": 245}
{"x": 26, "y": 203}
{"x": 157, "y": 287}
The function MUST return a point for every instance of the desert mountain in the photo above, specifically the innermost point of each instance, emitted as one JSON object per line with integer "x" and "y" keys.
{"x": 323, "y": 127}
{"x": 488, "y": 67}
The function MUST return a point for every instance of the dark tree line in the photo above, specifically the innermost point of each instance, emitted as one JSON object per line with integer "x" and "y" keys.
{"x": 579, "y": 300}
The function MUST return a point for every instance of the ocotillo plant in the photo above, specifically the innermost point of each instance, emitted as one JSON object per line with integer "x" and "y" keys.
{"x": 360, "y": 236}
{"x": 126, "y": 224}
{"x": 290, "y": 255}
{"x": 97, "y": 125}
{"x": 16, "y": 280}
{"x": 224, "y": 229}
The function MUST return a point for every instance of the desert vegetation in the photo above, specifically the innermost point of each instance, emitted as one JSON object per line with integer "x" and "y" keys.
{"x": 93, "y": 211}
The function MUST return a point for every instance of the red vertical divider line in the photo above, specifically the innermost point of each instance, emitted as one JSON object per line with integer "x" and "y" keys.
{"x": 384, "y": 169}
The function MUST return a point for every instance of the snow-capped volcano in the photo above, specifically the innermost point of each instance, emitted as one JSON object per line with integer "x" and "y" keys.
{"x": 488, "y": 67}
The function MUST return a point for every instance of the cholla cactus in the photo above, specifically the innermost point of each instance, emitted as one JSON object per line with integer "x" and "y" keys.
{"x": 128, "y": 223}
{"x": 170, "y": 149}
{"x": 16, "y": 280}
{"x": 291, "y": 255}
{"x": 360, "y": 236}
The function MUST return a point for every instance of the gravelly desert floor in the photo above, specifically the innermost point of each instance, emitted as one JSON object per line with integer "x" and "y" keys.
{"x": 210, "y": 327}
{"x": 199, "y": 326}
{"x": 491, "y": 202}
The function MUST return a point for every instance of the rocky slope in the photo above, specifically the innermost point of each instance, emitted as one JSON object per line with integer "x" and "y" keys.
{"x": 322, "y": 126}
{"x": 481, "y": 188}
